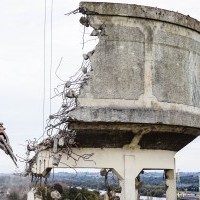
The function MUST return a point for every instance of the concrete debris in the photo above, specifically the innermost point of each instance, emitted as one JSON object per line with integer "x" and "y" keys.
{"x": 55, "y": 145}
{"x": 95, "y": 33}
{"x": 51, "y": 117}
{"x": 103, "y": 172}
{"x": 61, "y": 142}
{"x": 84, "y": 70}
{"x": 68, "y": 84}
{"x": 84, "y": 21}
{"x": 31, "y": 147}
{"x": 85, "y": 56}
{"x": 64, "y": 105}
{"x": 71, "y": 141}
{"x": 70, "y": 93}
{"x": 56, "y": 159}
{"x": 90, "y": 53}
{"x": 55, "y": 194}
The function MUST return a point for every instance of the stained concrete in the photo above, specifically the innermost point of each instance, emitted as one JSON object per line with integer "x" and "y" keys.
{"x": 132, "y": 135}
{"x": 146, "y": 70}
{"x": 176, "y": 68}
{"x": 140, "y": 104}
{"x": 138, "y": 11}
{"x": 127, "y": 47}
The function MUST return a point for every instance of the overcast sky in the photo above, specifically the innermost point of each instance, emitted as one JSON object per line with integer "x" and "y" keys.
{"x": 21, "y": 66}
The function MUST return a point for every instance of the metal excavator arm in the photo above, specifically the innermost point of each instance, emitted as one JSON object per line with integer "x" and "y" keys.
{"x": 5, "y": 144}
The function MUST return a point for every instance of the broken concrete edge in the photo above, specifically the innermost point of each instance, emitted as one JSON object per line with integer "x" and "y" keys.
{"x": 136, "y": 128}
{"x": 128, "y": 136}
{"x": 139, "y": 11}
{"x": 132, "y": 136}
{"x": 144, "y": 116}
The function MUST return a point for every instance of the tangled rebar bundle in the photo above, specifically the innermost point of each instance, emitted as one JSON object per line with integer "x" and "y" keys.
{"x": 59, "y": 121}
{"x": 57, "y": 133}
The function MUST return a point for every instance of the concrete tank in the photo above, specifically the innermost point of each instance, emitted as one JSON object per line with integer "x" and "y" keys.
{"x": 144, "y": 88}
{"x": 141, "y": 102}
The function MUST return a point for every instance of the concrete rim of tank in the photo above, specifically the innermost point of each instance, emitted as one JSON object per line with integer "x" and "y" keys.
{"x": 138, "y": 11}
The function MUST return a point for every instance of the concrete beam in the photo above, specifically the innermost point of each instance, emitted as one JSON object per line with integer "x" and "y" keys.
{"x": 126, "y": 164}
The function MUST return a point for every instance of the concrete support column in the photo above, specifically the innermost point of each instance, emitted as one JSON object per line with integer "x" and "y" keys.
{"x": 128, "y": 183}
{"x": 171, "y": 185}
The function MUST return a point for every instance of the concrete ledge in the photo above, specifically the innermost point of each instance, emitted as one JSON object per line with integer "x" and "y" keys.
{"x": 132, "y": 135}
{"x": 136, "y": 115}
{"x": 144, "y": 159}
{"x": 138, "y": 11}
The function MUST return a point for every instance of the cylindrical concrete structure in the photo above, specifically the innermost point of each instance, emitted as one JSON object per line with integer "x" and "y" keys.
{"x": 140, "y": 103}
{"x": 145, "y": 78}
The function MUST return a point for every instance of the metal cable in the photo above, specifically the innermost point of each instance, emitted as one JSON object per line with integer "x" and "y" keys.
{"x": 44, "y": 68}
{"x": 51, "y": 56}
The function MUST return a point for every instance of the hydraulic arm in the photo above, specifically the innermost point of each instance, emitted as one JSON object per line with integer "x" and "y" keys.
{"x": 5, "y": 144}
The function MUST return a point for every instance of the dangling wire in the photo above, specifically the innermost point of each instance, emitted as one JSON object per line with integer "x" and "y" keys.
{"x": 51, "y": 56}
{"x": 44, "y": 67}
{"x": 58, "y": 68}
{"x": 58, "y": 123}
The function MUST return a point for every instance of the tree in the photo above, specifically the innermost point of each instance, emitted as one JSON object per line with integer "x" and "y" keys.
{"x": 13, "y": 196}
{"x": 72, "y": 193}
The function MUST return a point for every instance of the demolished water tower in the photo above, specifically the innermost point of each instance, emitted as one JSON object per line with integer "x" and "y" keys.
{"x": 141, "y": 103}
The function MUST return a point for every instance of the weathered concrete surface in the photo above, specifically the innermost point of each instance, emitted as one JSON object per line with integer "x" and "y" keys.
{"x": 119, "y": 57}
{"x": 138, "y": 11}
{"x": 146, "y": 70}
{"x": 134, "y": 136}
{"x": 141, "y": 102}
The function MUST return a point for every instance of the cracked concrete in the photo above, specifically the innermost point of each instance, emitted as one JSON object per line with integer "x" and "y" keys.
{"x": 140, "y": 104}
{"x": 146, "y": 70}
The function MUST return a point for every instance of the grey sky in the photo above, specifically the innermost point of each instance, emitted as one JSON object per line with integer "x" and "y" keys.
{"x": 21, "y": 66}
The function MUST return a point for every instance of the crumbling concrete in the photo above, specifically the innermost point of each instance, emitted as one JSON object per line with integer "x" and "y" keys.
{"x": 146, "y": 70}
{"x": 140, "y": 104}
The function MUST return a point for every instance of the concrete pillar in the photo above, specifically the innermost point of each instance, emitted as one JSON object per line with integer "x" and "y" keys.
{"x": 128, "y": 183}
{"x": 171, "y": 184}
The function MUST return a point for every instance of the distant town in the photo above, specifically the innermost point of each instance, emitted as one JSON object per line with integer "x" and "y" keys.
{"x": 16, "y": 187}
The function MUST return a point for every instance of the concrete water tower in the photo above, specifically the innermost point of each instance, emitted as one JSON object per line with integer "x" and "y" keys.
{"x": 141, "y": 103}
